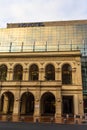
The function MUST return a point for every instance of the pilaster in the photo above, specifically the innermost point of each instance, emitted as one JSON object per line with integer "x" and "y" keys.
{"x": 25, "y": 74}
{"x": 58, "y": 107}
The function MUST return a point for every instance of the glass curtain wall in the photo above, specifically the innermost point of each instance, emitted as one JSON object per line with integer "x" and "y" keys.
{"x": 61, "y": 37}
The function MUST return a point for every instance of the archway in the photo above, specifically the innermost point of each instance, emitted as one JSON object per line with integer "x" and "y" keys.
{"x": 7, "y": 103}
{"x": 27, "y": 104}
{"x": 48, "y": 104}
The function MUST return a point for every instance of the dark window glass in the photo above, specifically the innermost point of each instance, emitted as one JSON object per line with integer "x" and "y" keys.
{"x": 50, "y": 72}
{"x": 33, "y": 72}
{"x": 66, "y": 74}
{"x": 3, "y": 72}
{"x": 18, "y": 73}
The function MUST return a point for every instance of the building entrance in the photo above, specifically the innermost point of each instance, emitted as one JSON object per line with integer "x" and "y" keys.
{"x": 67, "y": 105}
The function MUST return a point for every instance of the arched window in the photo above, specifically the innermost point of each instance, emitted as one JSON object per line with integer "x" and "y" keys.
{"x": 18, "y": 73}
{"x": 33, "y": 72}
{"x": 66, "y": 74}
{"x": 50, "y": 72}
{"x": 3, "y": 72}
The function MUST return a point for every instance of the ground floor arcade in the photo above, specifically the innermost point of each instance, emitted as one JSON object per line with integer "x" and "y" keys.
{"x": 41, "y": 104}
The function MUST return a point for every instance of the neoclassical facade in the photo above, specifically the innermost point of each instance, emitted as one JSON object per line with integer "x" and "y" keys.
{"x": 41, "y": 84}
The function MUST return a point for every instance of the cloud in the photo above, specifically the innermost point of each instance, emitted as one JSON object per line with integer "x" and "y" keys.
{"x": 41, "y": 10}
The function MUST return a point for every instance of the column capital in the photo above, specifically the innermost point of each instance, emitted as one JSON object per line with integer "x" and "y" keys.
{"x": 10, "y": 70}
{"x": 25, "y": 69}
{"x": 58, "y": 99}
{"x": 41, "y": 69}
{"x": 73, "y": 69}
{"x": 58, "y": 69}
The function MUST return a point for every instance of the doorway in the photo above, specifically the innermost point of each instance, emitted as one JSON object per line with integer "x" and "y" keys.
{"x": 67, "y": 105}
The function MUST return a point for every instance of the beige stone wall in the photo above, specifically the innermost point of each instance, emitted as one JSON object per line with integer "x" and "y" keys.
{"x": 38, "y": 88}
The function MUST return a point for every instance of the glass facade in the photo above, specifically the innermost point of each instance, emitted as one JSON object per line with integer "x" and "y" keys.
{"x": 44, "y": 38}
{"x": 50, "y": 36}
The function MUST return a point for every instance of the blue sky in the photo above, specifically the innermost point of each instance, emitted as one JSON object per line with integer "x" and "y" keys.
{"x": 15, "y": 11}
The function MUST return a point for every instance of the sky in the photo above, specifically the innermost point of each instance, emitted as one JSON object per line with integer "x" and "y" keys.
{"x": 22, "y": 11}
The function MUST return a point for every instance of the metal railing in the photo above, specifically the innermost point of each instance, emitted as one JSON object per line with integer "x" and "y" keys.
{"x": 43, "y": 47}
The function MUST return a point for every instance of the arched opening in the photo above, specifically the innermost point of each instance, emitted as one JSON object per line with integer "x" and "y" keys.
{"x": 7, "y": 103}
{"x": 50, "y": 72}
{"x": 27, "y": 104}
{"x": 3, "y": 72}
{"x": 18, "y": 73}
{"x": 66, "y": 74}
{"x": 33, "y": 72}
{"x": 48, "y": 104}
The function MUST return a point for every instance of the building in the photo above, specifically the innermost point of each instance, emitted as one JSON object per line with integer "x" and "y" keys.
{"x": 43, "y": 69}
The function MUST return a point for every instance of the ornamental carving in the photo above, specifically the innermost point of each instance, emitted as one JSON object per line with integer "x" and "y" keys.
{"x": 78, "y": 63}
{"x": 41, "y": 69}
{"x": 10, "y": 70}
{"x": 58, "y": 69}
{"x": 74, "y": 69}
{"x": 26, "y": 64}
{"x": 10, "y": 64}
{"x": 25, "y": 69}
{"x": 41, "y": 63}
{"x": 58, "y": 63}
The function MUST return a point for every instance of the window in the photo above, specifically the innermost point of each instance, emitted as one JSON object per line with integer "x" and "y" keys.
{"x": 33, "y": 72}
{"x": 3, "y": 72}
{"x": 50, "y": 72}
{"x": 18, "y": 73}
{"x": 66, "y": 74}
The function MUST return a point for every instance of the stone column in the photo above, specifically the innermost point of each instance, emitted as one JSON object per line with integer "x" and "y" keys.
{"x": 58, "y": 109}
{"x": 5, "y": 104}
{"x": 16, "y": 109}
{"x": 80, "y": 103}
{"x": 73, "y": 75}
{"x": 41, "y": 74}
{"x": 76, "y": 104}
{"x": 25, "y": 74}
{"x": 10, "y": 74}
{"x": 58, "y": 74}
{"x": 5, "y": 107}
{"x": 79, "y": 79}
{"x": 37, "y": 106}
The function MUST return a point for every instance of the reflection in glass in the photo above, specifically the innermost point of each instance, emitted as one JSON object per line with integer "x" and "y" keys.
{"x": 66, "y": 74}
{"x": 33, "y": 72}
{"x": 50, "y": 72}
{"x": 18, "y": 73}
{"x": 3, "y": 72}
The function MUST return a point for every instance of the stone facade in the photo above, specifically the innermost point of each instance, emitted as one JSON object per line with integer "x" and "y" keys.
{"x": 33, "y": 97}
